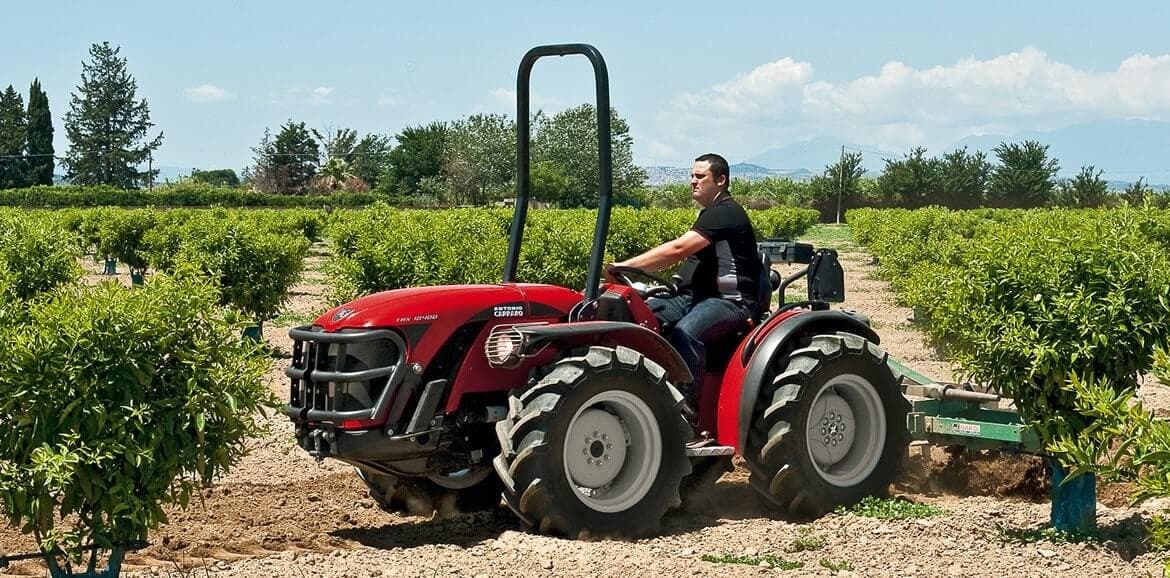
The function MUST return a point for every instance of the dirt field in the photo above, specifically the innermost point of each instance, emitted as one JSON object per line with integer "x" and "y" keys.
{"x": 282, "y": 514}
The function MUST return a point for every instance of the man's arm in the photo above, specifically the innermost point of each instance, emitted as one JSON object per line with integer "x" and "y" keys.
{"x": 668, "y": 253}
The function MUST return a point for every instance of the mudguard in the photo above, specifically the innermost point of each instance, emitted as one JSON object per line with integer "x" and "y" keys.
{"x": 745, "y": 374}
{"x": 610, "y": 333}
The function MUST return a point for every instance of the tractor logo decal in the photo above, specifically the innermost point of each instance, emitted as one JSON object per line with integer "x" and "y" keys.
{"x": 344, "y": 313}
{"x": 508, "y": 311}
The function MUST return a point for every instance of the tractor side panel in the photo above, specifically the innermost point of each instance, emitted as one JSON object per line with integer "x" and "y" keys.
{"x": 476, "y": 376}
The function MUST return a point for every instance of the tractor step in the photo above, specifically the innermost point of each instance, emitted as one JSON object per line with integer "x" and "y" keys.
{"x": 709, "y": 451}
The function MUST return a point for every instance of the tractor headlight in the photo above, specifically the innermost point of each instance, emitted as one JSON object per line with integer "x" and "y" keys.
{"x": 503, "y": 346}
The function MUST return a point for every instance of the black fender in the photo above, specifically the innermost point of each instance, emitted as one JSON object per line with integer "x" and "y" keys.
{"x": 773, "y": 345}
{"x": 610, "y": 333}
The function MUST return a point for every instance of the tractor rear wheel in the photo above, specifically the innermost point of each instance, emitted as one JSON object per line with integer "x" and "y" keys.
{"x": 830, "y": 429}
{"x": 437, "y": 496}
{"x": 596, "y": 447}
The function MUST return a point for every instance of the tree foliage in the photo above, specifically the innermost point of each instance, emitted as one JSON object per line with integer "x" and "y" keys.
{"x": 417, "y": 156}
{"x": 963, "y": 178}
{"x": 1086, "y": 190}
{"x": 107, "y": 126}
{"x": 911, "y": 182}
{"x": 40, "y": 137}
{"x": 569, "y": 140}
{"x": 217, "y": 177}
{"x": 370, "y": 159}
{"x": 1025, "y": 176}
{"x": 839, "y": 188}
{"x": 286, "y": 163}
{"x": 479, "y": 160}
{"x": 13, "y": 134}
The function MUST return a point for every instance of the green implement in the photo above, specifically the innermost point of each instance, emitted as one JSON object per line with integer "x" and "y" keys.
{"x": 951, "y": 414}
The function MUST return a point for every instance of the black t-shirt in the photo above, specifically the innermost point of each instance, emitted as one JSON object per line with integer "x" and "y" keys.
{"x": 730, "y": 266}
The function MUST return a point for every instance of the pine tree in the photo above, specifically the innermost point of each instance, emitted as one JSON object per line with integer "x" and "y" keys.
{"x": 12, "y": 134}
{"x": 107, "y": 126}
{"x": 40, "y": 137}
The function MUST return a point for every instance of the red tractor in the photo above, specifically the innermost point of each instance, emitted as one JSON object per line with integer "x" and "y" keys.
{"x": 566, "y": 402}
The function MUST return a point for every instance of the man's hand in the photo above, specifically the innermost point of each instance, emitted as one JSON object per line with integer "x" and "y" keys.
{"x": 609, "y": 275}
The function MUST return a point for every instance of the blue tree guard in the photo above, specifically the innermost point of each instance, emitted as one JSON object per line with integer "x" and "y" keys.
{"x": 136, "y": 277}
{"x": 254, "y": 332}
{"x": 112, "y": 570}
{"x": 1074, "y": 501}
{"x": 111, "y": 266}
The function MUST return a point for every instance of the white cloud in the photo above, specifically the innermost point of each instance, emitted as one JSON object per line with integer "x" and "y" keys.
{"x": 303, "y": 96}
{"x": 899, "y": 105}
{"x": 207, "y": 93}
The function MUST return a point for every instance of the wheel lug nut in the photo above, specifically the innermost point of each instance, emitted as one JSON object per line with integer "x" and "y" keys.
{"x": 604, "y": 437}
{"x": 609, "y": 446}
{"x": 826, "y": 440}
{"x": 825, "y": 421}
{"x": 588, "y": 460}
{"x": 824, "y": 431}
{"x": 594, "y": 434}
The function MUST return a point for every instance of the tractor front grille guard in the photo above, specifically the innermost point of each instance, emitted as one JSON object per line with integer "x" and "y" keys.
{"x": 343, "y": 376}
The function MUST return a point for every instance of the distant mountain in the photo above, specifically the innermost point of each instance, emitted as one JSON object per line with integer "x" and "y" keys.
{"x": 658, "y": 175}
{"x": 814, "y": 155}
{"x": 1124, "y": 149}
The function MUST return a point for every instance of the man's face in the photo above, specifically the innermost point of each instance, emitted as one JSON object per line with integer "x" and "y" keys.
{"x": 704, "y": 185}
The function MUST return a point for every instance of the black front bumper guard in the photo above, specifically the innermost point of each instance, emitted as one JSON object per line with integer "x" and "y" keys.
{"x": 311, "y": 385}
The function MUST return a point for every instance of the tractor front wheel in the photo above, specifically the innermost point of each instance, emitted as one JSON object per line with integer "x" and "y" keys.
{"x": 830, "y": 429}
{"x": 596, "y": 447}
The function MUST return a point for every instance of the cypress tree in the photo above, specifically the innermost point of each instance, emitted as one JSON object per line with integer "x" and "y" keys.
{"x": 107, "y": 126}
{"x": 12, "y": 134}
{"x": 40, "y": 137}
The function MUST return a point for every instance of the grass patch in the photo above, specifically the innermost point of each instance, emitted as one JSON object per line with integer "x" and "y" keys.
{"x": 293, "y": 318}
{"x": 806, "y": 541}
{"x": 829, "y": 235}
{"x": 836, "y": 566}
{"x": 891, "y": 509}
{"x": 1158, "y": 533}
{"x": 769, "y": 559}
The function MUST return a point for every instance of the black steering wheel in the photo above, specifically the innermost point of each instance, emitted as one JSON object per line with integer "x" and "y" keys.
{"x": 664, "y": 289}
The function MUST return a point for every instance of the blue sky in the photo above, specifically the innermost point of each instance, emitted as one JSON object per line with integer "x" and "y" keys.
{"x": 736, "y": 78}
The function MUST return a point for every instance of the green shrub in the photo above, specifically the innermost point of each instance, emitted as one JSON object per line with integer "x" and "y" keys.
{"x": 121, "y": 233}
{"x": 36, "y": 256}
{"x": 184, "y": 194}
{"x": 254, "y": 269}
{"x": 117, "y": 401}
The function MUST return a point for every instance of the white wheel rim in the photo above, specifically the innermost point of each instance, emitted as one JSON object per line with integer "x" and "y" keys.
{"x": 612, "y": 451}
{"x": 846, "y": 430}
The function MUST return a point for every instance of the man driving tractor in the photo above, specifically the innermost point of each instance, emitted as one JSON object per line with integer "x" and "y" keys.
{"x": 721, "y": 275}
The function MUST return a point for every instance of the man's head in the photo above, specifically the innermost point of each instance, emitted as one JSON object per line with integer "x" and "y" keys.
{"x": 709, "y": 177}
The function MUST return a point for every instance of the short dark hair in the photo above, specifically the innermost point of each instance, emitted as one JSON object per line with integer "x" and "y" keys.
{"x": 718, "y": 165}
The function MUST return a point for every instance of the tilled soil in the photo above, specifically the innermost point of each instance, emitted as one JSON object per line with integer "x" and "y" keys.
{"x": 280, "y": 513}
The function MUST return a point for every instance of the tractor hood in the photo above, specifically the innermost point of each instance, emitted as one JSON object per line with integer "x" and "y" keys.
{"x": 450, "y": 304}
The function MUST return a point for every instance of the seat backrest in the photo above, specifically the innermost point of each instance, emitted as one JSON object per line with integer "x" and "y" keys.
{"x": 763, "y": 288}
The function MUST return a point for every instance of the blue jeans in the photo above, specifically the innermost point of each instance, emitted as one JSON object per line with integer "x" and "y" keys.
{"x": 696, "y": 324}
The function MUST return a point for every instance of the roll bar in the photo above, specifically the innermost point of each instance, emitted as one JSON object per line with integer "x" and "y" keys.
{"x": 605, "y": 153}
